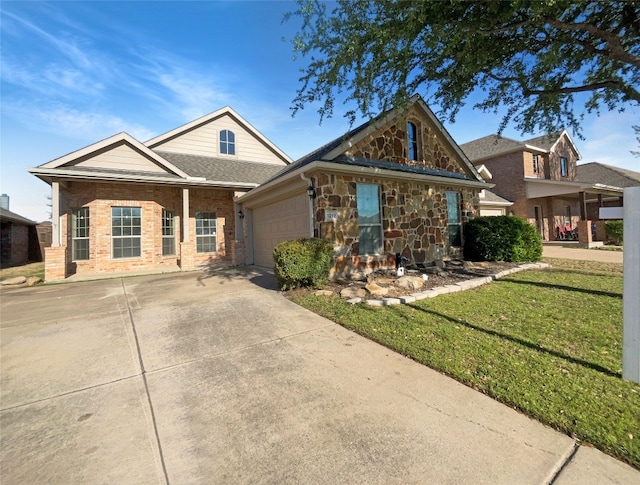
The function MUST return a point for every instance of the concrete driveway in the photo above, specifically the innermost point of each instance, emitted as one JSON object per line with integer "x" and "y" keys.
{"x": 187, "y": 379}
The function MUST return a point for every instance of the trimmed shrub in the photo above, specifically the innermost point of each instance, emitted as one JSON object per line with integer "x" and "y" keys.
{"x": 614, "y": 232}
{"x": 302, "y": 262}
{"x": 502, "y": 238}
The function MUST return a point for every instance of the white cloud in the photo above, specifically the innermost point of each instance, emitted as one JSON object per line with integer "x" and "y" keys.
{"x": 610, "y": 139}
{"x": 69, "y": 122}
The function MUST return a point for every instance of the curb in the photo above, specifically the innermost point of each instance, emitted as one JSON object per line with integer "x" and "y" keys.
{"x": 442, "y": 290}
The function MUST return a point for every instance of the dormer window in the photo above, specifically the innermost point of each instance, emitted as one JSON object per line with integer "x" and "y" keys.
{"x": 227, "y": 142}
{"x": 412, "y": 140}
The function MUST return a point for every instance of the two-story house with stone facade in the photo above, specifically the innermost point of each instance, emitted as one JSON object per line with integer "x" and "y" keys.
{"x": 540, "y": 176}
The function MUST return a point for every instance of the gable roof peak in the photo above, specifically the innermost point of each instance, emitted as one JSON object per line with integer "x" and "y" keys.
{"x": 225, "y": 111}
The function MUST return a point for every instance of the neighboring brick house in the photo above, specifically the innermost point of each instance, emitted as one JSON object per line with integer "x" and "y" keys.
{"x": 608, "y": 175}
{"x": 398, "y": 184}
{"x": 540, "y": 177}
{"x": 120, "y": 205}
{"x": 18, "y": 240}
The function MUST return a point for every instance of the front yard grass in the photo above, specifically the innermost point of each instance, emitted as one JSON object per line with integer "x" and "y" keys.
{"x": 548, "y": 343}
{"x": 27, "y": 270}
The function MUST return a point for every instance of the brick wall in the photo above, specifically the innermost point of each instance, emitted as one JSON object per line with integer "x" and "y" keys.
{"x": 563, "y": 149}
{"x": 414, "y": 220}
{"x": 508, "y": 175}
{"x": 101, "y": 197}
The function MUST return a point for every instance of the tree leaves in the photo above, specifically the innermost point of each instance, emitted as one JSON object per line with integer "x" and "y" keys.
{"x": 536, "y": 58}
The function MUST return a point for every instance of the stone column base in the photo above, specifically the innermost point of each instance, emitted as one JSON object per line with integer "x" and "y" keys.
{"x": 187, "y": 256}
{"x": 55, "y": 263}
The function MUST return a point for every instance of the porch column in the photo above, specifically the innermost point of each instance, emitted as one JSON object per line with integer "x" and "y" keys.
{"x": 187, "y": 249}
{"x": 599, "y": 200}
{"x": 55, "y": 214}
{"x": 185, "y": 215}
{"x": 583, "y": 206}
{"x": 55, "y": 256}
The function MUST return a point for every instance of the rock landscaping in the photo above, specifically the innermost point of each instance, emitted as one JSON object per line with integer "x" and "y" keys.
{"x": 382, "y": 288}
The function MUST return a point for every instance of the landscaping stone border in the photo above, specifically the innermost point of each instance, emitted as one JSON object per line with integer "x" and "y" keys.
{"x": 441, "y": 290}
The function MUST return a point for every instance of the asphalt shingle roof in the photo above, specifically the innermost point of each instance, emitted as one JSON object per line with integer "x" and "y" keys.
{"x": 493, "y": 197}
{"x": 222, "y": 169}
{"x": 599, "y": 173}
{"x": 7, "y": 215}
{"x": 492, "y": 145}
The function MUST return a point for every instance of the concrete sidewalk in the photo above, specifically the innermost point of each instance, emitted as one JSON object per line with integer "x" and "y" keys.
{"x": 566, "y": 251}
{"x": 189, "y": 379}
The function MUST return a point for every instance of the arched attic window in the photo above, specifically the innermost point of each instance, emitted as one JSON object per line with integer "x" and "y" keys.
{"x": 227, "y": 142}
{"x": 412, "y": 141}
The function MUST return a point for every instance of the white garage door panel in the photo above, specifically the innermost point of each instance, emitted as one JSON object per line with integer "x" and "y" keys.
{"x": 277, "y": 222}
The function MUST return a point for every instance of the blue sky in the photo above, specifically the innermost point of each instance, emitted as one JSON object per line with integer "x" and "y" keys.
{"x": 73, "y": 73}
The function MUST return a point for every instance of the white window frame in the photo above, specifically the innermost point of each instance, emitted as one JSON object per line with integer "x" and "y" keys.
{"x": 227, "y": 144}
{"x": 206, "y": 232}
{"x": 168, "y": 231}
{"x": 564, "y": 167}
{"x": 132, "y": 232}
{"x": 81, "y": 214}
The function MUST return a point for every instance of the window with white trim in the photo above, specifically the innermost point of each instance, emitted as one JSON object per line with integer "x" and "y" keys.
{"x": 168, "y": 233}
{"x": 453, "y": 218}
{"x": 126, "y": 232}
{"x": 206, "y": 229}
{"x": 227, "y": 142}
{"x": 564, "y": 167}
{"x": 369, "y": 219}
{"x": 80, "y": 234}
{"x": 536, "y": 164}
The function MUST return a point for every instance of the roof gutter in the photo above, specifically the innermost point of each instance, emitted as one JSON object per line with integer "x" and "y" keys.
{"x": 43, "y": 174}
{"x": 369, "y": 171}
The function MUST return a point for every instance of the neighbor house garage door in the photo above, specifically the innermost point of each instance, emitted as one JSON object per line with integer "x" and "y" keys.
{"x": 277, "y": 222}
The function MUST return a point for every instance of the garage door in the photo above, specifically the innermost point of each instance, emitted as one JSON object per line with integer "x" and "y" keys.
{"x": 277, "y": 222}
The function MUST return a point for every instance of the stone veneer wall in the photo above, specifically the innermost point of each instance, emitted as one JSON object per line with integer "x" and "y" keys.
{"x": 390, "y": 144}
{"x": 414, "y": 220}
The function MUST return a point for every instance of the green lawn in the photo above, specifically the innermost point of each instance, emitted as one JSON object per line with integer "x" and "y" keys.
{"x": 548, "y": 343}
{"x": 27, "y": 270}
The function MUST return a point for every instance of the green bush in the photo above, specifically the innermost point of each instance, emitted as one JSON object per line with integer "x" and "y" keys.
{"x": 502, "y": 238}
{"x": 614, "y": 232}
{"x": 302, "y": 262}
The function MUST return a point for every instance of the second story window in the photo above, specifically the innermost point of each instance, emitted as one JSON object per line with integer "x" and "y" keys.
{"x": 227, "y": 142}
{"x": 412, "y": 141}
{"x": 536, "y": 164}
{"x": 564, "y": 167}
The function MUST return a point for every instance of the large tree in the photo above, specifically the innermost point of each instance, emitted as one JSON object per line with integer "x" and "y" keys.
{"x": 545, "y": 61}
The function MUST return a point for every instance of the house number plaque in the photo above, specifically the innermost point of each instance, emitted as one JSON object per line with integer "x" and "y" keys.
{"x": 330, "y": 216}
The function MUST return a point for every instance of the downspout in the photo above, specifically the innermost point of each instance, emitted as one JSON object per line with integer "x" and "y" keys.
{"x": 310, "y": 182}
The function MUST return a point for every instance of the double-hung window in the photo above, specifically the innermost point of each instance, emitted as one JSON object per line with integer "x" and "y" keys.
{"x": 206, "y": 232}
{"x": 227, "y": 142}
{"x": 369, "y": 220}
{"x": 564, "y": 167}
{"x": 454, "y": 220}
{"x": 80, "y": 234}
{"x": 168, "y": 233}
{"x": 126, "y": 232}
